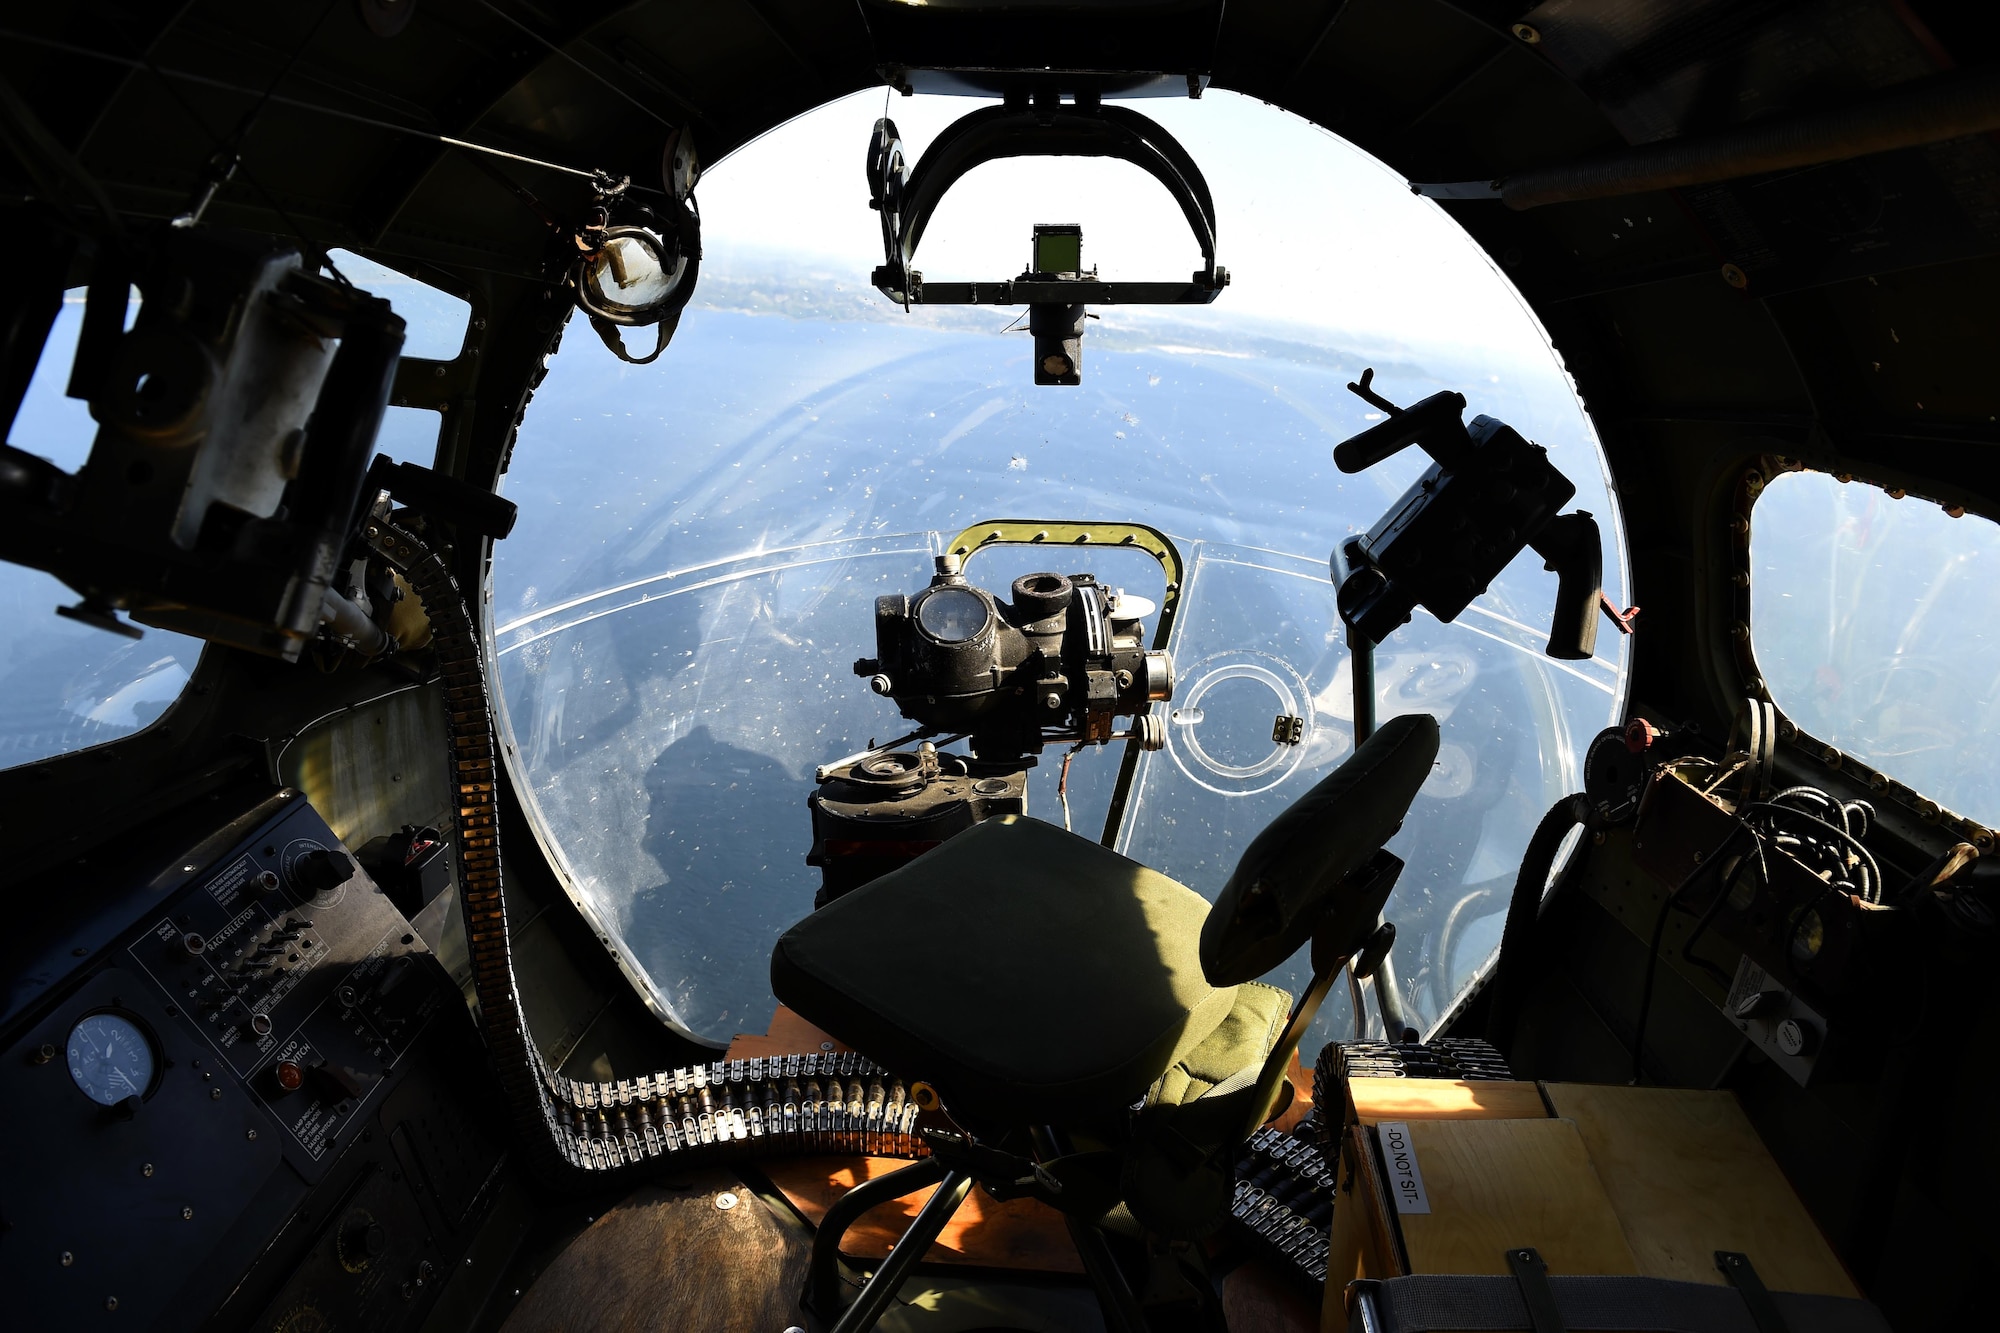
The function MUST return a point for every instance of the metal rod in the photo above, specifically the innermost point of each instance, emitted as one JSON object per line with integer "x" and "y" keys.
{"x": 1361, "y": 653}
{"x": 823, "y": 1273}
{"x": 1395, "y": 1021}
{"x": 1361, "y": 658}
{"x": 914, "y": 1244}
{"x": 1115, "y": 1300}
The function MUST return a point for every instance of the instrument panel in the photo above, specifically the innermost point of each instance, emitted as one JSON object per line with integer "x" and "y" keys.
{"x": 259, "y": 1108}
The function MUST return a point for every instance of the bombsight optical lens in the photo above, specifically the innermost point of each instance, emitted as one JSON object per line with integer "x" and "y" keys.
{"x": 952, "y": 615}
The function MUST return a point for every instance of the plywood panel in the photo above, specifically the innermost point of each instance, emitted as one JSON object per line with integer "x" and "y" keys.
{"x": 1688, "y": 1176}
{"x": 1258, "y": 1298}
{"x": 667, "y": 1256}
{"x": 1495, "y": 1184}
{"x": 789, "y": 1035}
{"x": 1019, "y": 1233}
{"x": 1301, "y": 1104}
{"x": 1361, "y": 1242}
{"x": 1377, "y": 1099}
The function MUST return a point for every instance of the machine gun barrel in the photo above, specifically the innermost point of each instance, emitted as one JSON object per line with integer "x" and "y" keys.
{"x": 1436, "y": 425}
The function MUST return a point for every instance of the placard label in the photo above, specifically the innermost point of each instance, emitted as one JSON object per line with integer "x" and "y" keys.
{"x": 1406, "y": 1178}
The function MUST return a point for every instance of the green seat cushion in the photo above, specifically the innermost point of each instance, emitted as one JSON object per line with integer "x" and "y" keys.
{"x": 1029, "y": 974}
{"x": 1229, "y": 1058}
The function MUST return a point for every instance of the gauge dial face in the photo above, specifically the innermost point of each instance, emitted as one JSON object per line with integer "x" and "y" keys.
{"x": 952, "y": 615}
{"x": 111, "y": 1058}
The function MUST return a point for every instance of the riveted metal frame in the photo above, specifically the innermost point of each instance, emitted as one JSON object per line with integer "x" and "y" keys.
{"x": 1801, "y": 746}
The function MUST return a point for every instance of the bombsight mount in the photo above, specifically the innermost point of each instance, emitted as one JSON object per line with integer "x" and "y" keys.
{"x": 1055, "y": 287}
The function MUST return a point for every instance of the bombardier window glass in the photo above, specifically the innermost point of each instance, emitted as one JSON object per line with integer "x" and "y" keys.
{"x": 1876, "y": 623}
{"x": 66, "y": 685}
{"x": 677, "y": 617}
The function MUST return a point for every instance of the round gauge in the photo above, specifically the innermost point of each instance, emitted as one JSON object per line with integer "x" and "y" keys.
{"x": 952, "y": 615}
{"x": 111, "y": 1058}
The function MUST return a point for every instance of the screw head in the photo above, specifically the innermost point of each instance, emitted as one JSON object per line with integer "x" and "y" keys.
{"x": 187, "y": 1214}
{"x": 67, "y": 1259}
{"x": 111, "y": 1302}
{"x": 725, "y": 1201}
{"x": 146, "y": 1170}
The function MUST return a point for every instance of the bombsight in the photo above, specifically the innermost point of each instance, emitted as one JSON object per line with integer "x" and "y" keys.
{"x": 1059, "y": 662}
{"x": 1487, "y": 494}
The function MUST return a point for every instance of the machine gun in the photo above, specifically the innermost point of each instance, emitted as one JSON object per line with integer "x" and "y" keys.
{"x": 1487, "y": 494}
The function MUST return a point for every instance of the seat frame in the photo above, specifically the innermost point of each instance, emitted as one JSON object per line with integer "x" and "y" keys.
{"x": 958, "y": 1162}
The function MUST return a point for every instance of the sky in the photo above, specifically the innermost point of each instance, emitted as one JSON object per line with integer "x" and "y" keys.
{"x": 1313, "y": 230}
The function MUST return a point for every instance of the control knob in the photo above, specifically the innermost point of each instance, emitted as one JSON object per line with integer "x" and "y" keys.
{"x": 362, "y": 1240}
{"x": 320, "y": 870}
{"x": 1796, "y": 1038}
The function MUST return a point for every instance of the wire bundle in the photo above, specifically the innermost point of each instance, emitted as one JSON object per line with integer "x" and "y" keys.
{"x": 1820, "y": 832}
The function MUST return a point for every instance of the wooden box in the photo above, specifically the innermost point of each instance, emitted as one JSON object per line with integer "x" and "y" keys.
{"x": 1442, "y": 1177}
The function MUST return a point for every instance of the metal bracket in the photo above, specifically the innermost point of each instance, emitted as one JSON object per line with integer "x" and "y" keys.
{"x": 906, "y": 198}
{"x": 1041, "y": 532}
{"x": 1756, "y": 1297}
{"x": 1544, "y": 1315}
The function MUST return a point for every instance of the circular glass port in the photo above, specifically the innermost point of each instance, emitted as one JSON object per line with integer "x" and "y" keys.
{"x": 1221, "y": 737}
{"x": 952, "y": 615}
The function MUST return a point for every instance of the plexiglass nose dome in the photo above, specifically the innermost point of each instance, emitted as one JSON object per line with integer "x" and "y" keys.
{"x": 701, "y": 541}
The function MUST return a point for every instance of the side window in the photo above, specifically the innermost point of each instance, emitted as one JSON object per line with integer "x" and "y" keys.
{"x": 1876, "y": 622}
{"x": 436, "y": 320}
{"x": 64, "y": 685}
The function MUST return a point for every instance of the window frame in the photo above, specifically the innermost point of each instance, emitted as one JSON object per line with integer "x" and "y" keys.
{"x": 1823, "y": 757}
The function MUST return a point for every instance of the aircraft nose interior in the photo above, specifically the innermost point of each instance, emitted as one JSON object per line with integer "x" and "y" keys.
{"x": 1439, "y": 778}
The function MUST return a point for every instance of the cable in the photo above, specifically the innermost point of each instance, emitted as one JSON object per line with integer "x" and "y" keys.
{"x": 317, "y": 251}
{"x": 1062, "y": 783}
{"x": 1871, "y": 885}
{"x": 1831, "y": 852}
{"x": 1509, "y": 983}
{"x": 1659, "y": 933}
{"x": 227, "y": 159}
{"x": 337, "y": 113}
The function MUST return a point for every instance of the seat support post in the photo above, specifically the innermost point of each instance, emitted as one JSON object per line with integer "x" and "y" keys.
{"x": 1114, "y": 1294}
{"x": 822, "y": 1294}
{"x": 914, "y": 1244}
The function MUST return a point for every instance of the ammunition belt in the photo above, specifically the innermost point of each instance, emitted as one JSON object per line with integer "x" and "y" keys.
{"x": 818, "y": 1102}
{"x": 573, "y": 1131}
{"x": 1285, "y": 1184}
{"x": 1284, "y": 1199}
{"x": 1446, "y": 1057}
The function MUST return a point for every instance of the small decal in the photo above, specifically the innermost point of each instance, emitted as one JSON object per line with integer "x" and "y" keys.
{"x": 1406, "y": 1178}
